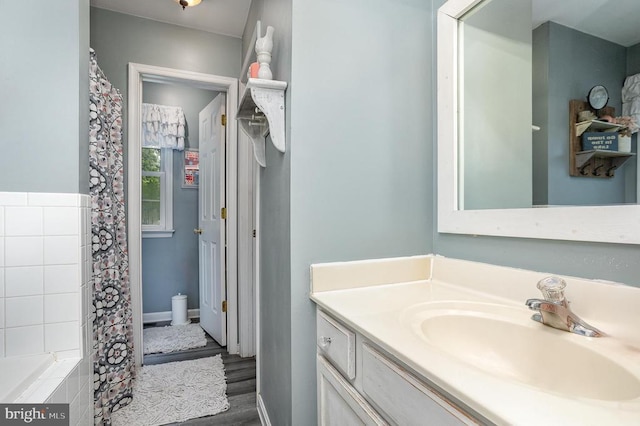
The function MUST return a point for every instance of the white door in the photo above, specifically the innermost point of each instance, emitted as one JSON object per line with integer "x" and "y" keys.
{"x": 211, "y": 199}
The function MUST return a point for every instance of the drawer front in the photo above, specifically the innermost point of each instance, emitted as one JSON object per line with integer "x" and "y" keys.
{"x": 402, "y": 398}
{"x": 339, "y": 403}
{"x": 337, "y": 344}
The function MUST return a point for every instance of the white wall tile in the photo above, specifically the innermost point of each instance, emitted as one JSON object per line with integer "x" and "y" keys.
{"x": 1, "y": 221}
{"x": 73, "y": 382}
{"x": 46, "y": 199}
{"x": 23, "y": 221}
{"x": 60, "y": 394}
{"x": 1, "y": 342}
{"x": 23, "y": 251}
{"x": 84, "y": 238}
{"x": 59, "y": 370}
{"x": 2, "y": 316}
{"x": 61, "y": 250}
{"x": 83, "y": 340}
{"x": 89, "y": 344}
{"x": 61, "y": 336}
{"x": 61, "y": 221}
{"x": 61, "y": 279}
{"x": 1, "y": 280}
{"x": 61, "y": 307}
{"x": 22, "y": 311}
{"x": 13, "y": 198}
{"x": 83, "y": 255}
{"x": 2, "y": 251}
{"x": 84, "y": 308}
{"x": 71, "y": 354}
{"x": 24, "y": 340}
{"x": 86, "y": 419}
{"x": 85, "y": 370}
{"x": 86, "y": 402}
{"x": 39, "y": 391}
{"x": 88, "y": 271}
{"x": 24, "y": 281}
{"x": 87, "y": 228}
{"x": 74, "y": 408}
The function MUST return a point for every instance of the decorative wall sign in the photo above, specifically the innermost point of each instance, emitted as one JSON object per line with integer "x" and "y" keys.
{"x": 190, "y": 168}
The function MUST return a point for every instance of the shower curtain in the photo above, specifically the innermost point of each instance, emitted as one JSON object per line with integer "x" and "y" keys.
{"x": 113, "y": 363}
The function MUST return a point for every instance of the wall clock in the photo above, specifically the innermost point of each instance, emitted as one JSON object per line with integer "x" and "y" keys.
{"x": 598, "y": 97}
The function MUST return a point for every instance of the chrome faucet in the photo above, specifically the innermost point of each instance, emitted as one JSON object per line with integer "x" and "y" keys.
{"x": 554, "y": 310}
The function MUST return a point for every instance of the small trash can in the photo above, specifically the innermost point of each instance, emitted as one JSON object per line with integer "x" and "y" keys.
{"x": 179, "y": 310}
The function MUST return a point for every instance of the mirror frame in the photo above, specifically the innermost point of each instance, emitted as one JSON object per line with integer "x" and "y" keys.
{"x": 610, "y": 224}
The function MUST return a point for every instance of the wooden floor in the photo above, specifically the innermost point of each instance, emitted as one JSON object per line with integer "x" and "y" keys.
{"x": 241, "y": 383}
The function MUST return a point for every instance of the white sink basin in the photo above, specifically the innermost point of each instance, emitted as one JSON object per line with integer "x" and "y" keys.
{"x": 504, "y": 341}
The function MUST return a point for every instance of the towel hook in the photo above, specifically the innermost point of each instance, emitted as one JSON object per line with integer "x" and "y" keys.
{"x": 583, "y": 170}
{"x": 596, "y": 172}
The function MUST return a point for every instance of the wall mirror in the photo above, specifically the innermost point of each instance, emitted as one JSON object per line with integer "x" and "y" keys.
{"x": 507, "y": 71}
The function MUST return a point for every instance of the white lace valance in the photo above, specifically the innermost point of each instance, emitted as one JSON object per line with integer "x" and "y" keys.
{"x": 162, "y": 126}
{"x": 631, "y": 97}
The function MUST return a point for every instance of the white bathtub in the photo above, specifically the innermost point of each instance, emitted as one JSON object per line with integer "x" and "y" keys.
{"x": 19, "y": 372}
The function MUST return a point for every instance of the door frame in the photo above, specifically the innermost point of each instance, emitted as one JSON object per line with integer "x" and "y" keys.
{"x": 138, "y": 73}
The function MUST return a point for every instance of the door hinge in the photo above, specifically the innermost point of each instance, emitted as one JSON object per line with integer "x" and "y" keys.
{"x": 223, "y": 213}
{"x": 224, "y": 306}
{"x": 254, "y": 233}
{"x": 223, "y": 119}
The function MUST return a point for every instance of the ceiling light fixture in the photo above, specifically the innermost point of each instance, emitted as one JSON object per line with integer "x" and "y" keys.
{"x": 188, "y": 3}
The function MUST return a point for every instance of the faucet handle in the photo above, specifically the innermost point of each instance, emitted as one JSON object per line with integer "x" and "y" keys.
{"x": 552, "y": 289}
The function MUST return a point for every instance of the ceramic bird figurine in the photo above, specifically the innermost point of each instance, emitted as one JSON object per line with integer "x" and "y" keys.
{"x": 264, "y": 45}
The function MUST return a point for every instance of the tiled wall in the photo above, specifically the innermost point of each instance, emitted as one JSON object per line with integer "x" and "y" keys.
{"x": 44, "y": 254}
{"x": 45, "y": 293}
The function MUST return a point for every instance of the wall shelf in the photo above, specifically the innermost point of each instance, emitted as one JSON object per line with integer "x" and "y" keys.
{"x": 594, "y": 163}
{"x": 613, "y": 160}
{"x": 598, "y": 126}
{"x": 262, "y": 112}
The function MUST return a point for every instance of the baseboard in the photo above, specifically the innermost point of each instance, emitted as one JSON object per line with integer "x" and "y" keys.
{"x": 166, "y": 316}
{"x": 262, "y": 412}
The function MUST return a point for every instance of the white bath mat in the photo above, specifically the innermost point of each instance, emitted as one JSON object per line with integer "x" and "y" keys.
{"x": 172, "y": 338}
{"x": 175, "y": 392}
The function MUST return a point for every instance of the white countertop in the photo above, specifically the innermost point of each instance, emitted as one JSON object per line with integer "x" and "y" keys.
{"x": 379, "y": 311}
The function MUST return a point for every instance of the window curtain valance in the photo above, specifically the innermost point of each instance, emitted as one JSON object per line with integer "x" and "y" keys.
{"x": 163, "y": 126}
{"x": 631, "y": 97}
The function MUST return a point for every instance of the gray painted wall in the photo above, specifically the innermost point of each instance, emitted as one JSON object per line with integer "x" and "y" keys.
{"x": 44, "y": 81}
{"x": 577, "y": 62}
{"x": 633, "y": 59}
{"x": 361, "y": 176}
{"x": 276, "y": 345}
{"x": 355, "y": 181}
{"x": 119, "y": 39}
{"x": 170, "y": 265}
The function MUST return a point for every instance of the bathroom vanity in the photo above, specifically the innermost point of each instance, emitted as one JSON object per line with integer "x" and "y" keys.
{"x": 432, "y": 340}
{"x": 382, "y": 381}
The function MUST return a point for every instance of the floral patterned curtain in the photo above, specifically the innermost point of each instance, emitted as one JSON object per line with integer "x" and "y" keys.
{"x": 113, "y": 363}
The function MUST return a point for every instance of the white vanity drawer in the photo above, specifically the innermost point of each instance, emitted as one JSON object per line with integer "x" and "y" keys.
{"x": 339, "y": 403}
{"x": 402, "y": 398}
{"x": 337, "y": 344}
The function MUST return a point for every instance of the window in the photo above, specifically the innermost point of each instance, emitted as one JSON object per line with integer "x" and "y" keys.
{"x": 157, "y": 190}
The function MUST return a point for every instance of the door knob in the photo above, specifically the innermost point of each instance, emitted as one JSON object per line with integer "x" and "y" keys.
{"x": 197, "y": 231}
